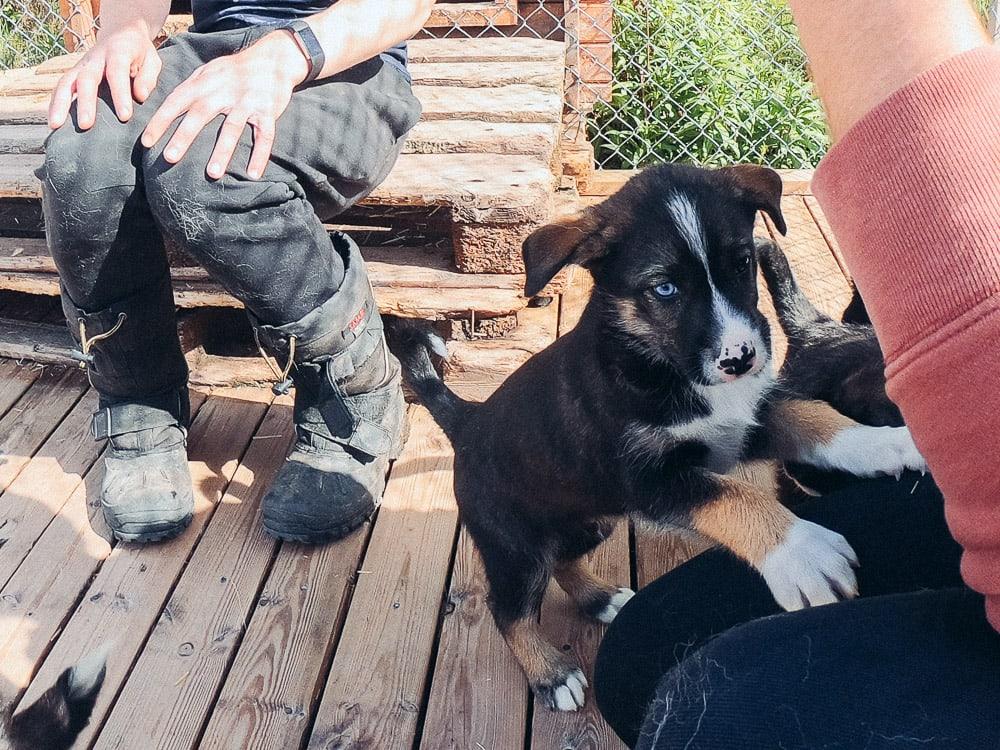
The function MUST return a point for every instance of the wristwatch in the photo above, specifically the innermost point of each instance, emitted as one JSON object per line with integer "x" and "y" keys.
{"x": 310, "y": 46}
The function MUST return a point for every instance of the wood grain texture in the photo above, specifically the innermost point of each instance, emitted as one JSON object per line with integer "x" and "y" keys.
{"x": 479, "y": 188}
{"x": 811, "y": 258}
{"x": 572, "y": 631}
{"x": 43, "y": 592}
{"x": 479, "y": 696}
{"x": 127, "y": 595}
{"x": 269, "y": 693}
{"x": 15, "y": 379}
{"x": 35, "y": 416}
{"x": 376, "y": 684}
{"x": 172, "y": 687}
{"x": 40, "y": 491}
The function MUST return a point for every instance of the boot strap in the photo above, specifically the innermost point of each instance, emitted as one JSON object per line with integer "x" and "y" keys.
{"x": 345, "y": 420}
{"x": 365, "y": 437}
{"x": 121, "y": 419}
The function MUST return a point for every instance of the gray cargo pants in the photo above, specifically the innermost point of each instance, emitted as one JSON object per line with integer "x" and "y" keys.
{"x": 109, "y": 203}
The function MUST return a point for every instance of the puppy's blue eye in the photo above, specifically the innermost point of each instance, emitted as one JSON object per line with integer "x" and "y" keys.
{"x": 665, "y": 290}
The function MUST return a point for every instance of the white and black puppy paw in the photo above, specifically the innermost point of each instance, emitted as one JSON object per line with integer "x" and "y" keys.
{"x": 610, "y": 611}
{"x": 563, "y": 691}
{"x": 870, "y": 451}
{"x": 811, "y": 566}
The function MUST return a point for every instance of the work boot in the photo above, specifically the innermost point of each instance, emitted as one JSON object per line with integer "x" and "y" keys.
{"x": 134, "y": 362}
{"x": 349, "y": 412}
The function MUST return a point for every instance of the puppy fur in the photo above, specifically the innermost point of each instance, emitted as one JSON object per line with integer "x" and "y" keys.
{"x": 645, "y": 409}
{"x": 56, "y": 719}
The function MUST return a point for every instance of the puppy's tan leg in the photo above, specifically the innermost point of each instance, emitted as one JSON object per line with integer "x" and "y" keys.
{"x": 555, "y": 678}
{"x": 814, "y": 433}
{"x": 600, "y": 600}
{"x": 803, "y": 564}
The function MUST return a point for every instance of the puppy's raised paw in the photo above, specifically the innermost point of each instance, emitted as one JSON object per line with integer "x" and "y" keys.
{"x": 871, "y": 451}
{"x": 610, "y": 611}
{"x": 811, "y": 566}
{"x": 562, "y": 691}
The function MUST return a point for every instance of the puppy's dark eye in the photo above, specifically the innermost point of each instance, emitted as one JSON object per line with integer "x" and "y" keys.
{"x": 743, "y": 263}
{"x": 666, "y": 290}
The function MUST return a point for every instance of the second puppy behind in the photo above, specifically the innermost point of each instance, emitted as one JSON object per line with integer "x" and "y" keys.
{"x": 644, "y": 409}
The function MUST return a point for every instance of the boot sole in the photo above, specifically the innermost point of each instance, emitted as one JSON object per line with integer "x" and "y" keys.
{"x": 318, "y": 537}
{"x": 153, "y": 536}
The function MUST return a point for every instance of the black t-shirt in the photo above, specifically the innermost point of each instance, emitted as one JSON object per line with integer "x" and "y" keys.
{"x": 213, "y": 15}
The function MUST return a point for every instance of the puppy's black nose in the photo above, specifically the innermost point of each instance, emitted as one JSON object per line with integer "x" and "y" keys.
{"x": 738, "y": 363}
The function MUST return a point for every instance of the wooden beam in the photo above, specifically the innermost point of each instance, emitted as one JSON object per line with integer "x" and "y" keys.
{"x": 172, "y": 687}
{"x": 376, "y": 685}
{"x": 128, "y": 593}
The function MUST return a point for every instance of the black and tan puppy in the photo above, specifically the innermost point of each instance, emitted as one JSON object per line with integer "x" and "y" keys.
{"x": 644, "y": 410}
{"x": 837, "y": 362}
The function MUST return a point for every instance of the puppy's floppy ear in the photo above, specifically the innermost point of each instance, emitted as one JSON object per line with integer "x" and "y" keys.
{"x": 760, "y": 188}
{"x": 573, "y": 239}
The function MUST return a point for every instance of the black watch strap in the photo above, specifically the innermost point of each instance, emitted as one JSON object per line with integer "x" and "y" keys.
{"x": 310, "y": 46}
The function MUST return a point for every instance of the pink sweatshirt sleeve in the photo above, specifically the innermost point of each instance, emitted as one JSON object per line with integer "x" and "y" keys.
{"x": 913, "y": 195}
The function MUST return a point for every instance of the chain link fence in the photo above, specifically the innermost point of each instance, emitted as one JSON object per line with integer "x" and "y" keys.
{"x": 704, "y": 81}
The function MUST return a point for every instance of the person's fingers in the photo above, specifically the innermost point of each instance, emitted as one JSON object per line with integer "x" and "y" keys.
{"x": 62, "y": 97}
{"x": 193, "y": 123}
{"x": 263, "y": 140}
{"x": 225, "y": 146}
{"x": 119, "y": 82}
{"x": 173, "y": 106}
{"x": 146, "y": 76}
{"x": 86, "y": 97}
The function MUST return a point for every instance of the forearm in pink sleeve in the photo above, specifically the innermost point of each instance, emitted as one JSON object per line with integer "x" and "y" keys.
{"x": 912, "y": 192}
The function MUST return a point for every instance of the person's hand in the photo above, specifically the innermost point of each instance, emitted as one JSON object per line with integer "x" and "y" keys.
{"x": 252, "y": 87}
{"x": 129, "y": 62}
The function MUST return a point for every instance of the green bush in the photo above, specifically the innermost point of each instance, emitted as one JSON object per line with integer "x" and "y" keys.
{"x": 708, "y": 81}
{"x": 30, "y": 32}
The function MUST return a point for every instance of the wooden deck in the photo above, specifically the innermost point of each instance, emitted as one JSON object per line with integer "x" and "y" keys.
{"x": 224, "y": 638}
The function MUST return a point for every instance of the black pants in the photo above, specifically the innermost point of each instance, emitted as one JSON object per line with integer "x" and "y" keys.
{"x": 703, "y": 659}
{"x": 109, "y": 202}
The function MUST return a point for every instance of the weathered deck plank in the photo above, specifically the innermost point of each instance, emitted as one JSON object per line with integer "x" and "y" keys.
{"x": 376, "y": 684}
{"x": 568, "y": 628}
{"x": 44, "y": 590}
{"x": 35, "y": 416}
{"x": 271, "y": 690}
{"x": 479, "y": 696}
{"x": 40, "y": 491}
{"x": 817, "y": 270}
{"x": 136, "y": 579}
{"x": 172, "y": 687}
{"x": 15, "y": 379}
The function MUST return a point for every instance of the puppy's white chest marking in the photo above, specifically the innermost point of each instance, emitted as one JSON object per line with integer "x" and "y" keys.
{"x": 732, "y": 414}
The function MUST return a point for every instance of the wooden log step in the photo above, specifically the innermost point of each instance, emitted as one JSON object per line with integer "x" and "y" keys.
{"x": 487, "y": 50}
{"x": 428, "y": 137}
{"x": 479, "y": 188}
{"x": 519, "y": 102}
{"x": 408, "y": 281}
{"x": 456, "y": 51}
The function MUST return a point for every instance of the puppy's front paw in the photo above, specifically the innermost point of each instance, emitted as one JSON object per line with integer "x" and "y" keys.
{"x": 811, "y": 566}
{"x": 563, "y": 690}
{"x": 610, "y": 611}
{"x": 871, "y": 451}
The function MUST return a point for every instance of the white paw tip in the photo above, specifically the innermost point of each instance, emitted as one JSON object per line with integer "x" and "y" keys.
{"x": 614, "y": 606}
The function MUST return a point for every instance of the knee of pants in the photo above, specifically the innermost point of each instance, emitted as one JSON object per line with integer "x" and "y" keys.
{"x": 88, "y": 169}
{"x": 88, "y": 177}
{"x": 211, "y": 218}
